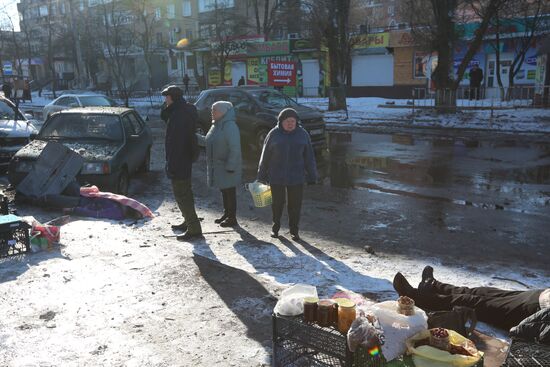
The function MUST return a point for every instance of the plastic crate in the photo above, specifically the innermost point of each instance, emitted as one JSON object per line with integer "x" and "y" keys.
{"x": 14, "y": 236}
{"x": 300, "y": 344}
{"x": 527, "y": 354}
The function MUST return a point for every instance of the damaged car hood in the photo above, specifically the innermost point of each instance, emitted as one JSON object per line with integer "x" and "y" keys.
{"x": 89, "y": 151}
{"x": 16, "y": 129}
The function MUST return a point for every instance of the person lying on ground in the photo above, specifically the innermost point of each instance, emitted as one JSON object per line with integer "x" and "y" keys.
{"x": 527, "y": 313}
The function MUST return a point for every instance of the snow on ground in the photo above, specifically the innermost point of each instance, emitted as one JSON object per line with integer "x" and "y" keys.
{"x": 370, "y": 111}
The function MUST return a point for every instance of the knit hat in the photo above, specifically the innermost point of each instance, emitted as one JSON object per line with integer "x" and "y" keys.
{"x": 286, "y": 113}
{"x": 222, "y": 106}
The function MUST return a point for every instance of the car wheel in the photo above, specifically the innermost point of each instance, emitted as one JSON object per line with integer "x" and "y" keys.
{"x": 260, "y": 139}
{"x": 146, "y": 165}
{"x": 123, "y": 182}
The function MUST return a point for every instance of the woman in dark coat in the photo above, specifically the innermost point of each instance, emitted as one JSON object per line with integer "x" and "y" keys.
{"x": 224, "y": 160}
{"x": 287, "y": 162}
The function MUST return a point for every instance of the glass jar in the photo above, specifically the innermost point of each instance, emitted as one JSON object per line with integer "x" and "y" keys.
{"x": 325, "y": 312}
{"x": 346, "y": 314}
{"x": 310, "y": 309}
{"x": 405, "y": 306}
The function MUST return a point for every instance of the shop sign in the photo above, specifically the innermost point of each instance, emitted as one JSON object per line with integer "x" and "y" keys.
{"x": 268, "y": 48}
{"x": 302, "y": 45}
{"x": 214, "y": 77}
{"x": 253, "y": 71}
{"x": 281, "y": 73}
{"x": 401, "y": 39}
{"x": 7, "y": 68}
{"x": 373, "y": 40}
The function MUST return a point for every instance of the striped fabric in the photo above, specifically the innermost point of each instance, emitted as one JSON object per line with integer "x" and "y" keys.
{"x": 93, "y": 192}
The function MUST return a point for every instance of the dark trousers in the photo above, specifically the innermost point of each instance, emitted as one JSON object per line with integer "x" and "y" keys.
{"x": 475, "y": 92}
{"x": 230, "y": 202}
{"x": 183, "y": 194}
{"x": 295, "y": 194}
{"x": 498, "y": 307}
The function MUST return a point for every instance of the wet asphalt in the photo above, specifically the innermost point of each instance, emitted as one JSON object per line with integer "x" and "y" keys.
{"x": 476, "y": 200}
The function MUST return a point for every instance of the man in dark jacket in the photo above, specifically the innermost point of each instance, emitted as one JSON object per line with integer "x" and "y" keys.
{"x": 529, "y": 310}
{"x": 476, "y": 77}
{"x": 287, "y": 162}
{"x": 181, "y": 118}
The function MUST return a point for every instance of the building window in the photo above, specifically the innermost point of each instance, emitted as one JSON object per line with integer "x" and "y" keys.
{"x": 391, "y": 10}
{"x": 174, "y": 61}
{"x": 172, "y": 37}
{"x": 189, "y": 34}
{"x": 170, "y": 11}
{"x": 158, "y": 13}
{"x": 186, "y": 8}
{"x": 43, "y": 11}
{"x": 209, "y": 5}
{"x": 81, "y": 5}
{"x": 159, "y": 39}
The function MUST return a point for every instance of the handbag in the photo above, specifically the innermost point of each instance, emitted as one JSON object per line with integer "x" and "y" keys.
{"x": 461, "y": 319}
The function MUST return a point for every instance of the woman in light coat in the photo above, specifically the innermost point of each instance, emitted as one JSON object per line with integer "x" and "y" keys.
{"x": 224, "y": 160}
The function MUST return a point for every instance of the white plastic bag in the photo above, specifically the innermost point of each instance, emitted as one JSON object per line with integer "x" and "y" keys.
{"x": 397, "y": 327}
{"x": 291, "y": 302}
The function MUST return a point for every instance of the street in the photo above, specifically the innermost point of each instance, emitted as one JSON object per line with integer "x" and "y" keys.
{"x": 119, "y": 293}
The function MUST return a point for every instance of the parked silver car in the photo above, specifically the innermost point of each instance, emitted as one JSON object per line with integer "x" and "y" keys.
{"x": 67, "y": 101}
{"x": 16, "y": 131}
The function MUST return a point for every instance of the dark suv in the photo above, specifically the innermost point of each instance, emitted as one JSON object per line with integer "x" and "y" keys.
{"x": 257, "y": 110}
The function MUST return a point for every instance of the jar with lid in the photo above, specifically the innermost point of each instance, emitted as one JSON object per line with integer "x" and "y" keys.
{"x": 346, "y": 314}
{"x": 310, "y": 309}
{"x": 325, "y": 312}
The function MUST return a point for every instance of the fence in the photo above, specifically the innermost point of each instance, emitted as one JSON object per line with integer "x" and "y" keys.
{"x": 483, "y": 98}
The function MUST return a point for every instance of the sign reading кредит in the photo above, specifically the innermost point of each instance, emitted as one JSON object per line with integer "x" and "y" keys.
{"x": 281, "y": 73}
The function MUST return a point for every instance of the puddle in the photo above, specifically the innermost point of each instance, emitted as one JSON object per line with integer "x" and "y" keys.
{"x": 498, "y": 174}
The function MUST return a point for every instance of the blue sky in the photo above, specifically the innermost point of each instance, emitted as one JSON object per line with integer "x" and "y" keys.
{"x": 9, "y": 7}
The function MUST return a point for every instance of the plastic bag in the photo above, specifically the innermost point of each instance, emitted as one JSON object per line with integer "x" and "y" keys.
{"x": 428, "y": 356}
{"x": 397, "y": 327}
{"x": 291, "y": 302}
{"x": 365, "y": 331}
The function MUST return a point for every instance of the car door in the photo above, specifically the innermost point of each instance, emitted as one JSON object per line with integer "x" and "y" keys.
{"x": 58, "y": 105}
{"x": 140, "y": 139}
{"x": 245, "y": 109}
{"x": 131, "y": 151}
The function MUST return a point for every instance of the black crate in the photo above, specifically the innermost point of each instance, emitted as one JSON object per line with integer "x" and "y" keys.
{"x": 527, "y": 354}
{"x": 296, "y": 343}
{"x": 14, "y": 236}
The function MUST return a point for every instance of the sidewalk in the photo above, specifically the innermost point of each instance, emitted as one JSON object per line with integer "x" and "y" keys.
{"x": 376, "y": 112}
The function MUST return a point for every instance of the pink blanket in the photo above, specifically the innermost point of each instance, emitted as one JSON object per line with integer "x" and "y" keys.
{"x": 93, "y": 192}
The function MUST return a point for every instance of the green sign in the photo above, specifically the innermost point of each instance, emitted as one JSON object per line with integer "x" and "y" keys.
{"x": 268, "y": 48}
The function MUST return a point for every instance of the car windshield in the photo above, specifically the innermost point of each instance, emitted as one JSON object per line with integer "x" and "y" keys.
{"x": 82, "y": 126}
{"x": 88, "y": 101}
{"x": 7, "y": 112}
{"x": 273, "y": 98}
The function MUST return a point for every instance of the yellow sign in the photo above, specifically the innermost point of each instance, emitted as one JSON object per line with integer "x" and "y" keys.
{"x": 214, "y": 77}
{"x": 373, "y": 40}
{"x": 228, "y": 73}
{"x": 253, "y": 71}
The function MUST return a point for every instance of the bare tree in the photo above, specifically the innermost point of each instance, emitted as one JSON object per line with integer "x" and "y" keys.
{"x": 227, "y": 29}
{"x": 143, "y": 12}
{"x": 525, "y": 16}
{"x": 330, "y": 27}
{"x": 267, "y": 15}
{"x": 117, "y": 36}
{"x": 434, "y": 25}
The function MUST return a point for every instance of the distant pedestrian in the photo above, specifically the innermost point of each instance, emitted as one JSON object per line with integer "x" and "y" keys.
{"x": 476, "y": 78}
{"x": 287, "y": 162}
{"x": 181, "y": 118}
{"x": 241, "y": 81}
{"x": 186, "y": 80}
{"x": 224, "y": 160}
{"x": 6, "y": 88}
